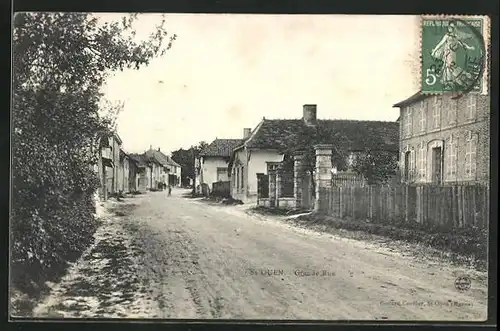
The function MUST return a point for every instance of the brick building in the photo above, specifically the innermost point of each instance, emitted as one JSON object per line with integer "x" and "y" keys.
{"x": 445, "y": 139}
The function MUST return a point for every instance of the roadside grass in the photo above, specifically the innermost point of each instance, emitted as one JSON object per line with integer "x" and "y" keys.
{"x": 213, "y": 199}
{"x": 276, "y": 211}
{"x": 191, "y": 195}
{"x": 459, "y": 246}
{"x": 224, "y": 200}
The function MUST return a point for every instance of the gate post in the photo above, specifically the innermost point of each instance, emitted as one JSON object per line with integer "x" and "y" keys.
{"x": 259, "y": 186}
{"x": 272, "y": 187}
{"x": 272, "y": 169}
{"x": 298, "y": 174}
{"x": 323, "y": 176}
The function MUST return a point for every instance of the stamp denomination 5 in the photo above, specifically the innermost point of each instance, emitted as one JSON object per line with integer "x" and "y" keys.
{"x": 453, "y": 54}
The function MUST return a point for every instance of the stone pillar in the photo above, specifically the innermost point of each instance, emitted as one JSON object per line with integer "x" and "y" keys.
{"x": 298, "y": 173}
{"x": 272, "y": 186}
{"x": 279, "y": 172}
{"x": 259, "y": 186}
{"x": 323, "y": 176}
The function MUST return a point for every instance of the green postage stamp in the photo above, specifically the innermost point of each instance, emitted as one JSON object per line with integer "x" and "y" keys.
{"x": 454, "y": 54}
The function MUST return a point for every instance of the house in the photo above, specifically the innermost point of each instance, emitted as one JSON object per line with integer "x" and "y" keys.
{"x": 123, "y": 172}
{"x": 265, "y": 145}
{"x": 444, "y": 139}
{"x": 174, "y": 176}
{"x": 107, "y": 165}
{"x": 133, "y": 174}
{"x": 164, "y": 169}
{"x": 140, "y": 171}
{"x": 214, "y": 159}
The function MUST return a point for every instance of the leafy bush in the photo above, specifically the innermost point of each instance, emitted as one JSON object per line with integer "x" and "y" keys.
{"x": 60, "y": 63}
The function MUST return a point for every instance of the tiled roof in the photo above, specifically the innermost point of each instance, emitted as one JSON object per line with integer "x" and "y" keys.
{"x": 221, "y": 147}
{"x": 161, "y": 158}
{"x": 277, "y": 134}
{"x": 139, "y": 159}
{"x": 414, "y": 98}
{"x": 171, "y": 162}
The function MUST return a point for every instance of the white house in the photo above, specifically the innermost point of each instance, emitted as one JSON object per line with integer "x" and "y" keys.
{"x": 214, "y": 160}
{"x": 168, "y": 173}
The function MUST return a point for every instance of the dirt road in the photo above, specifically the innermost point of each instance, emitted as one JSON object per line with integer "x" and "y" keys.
{"x": 188, "y": 259}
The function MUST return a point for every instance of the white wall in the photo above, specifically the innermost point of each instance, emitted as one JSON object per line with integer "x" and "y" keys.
{"x": 235, "y": 192}
{"x": 178, "y": 174}
{"x": 257, "y": 164}
{"x": 209, "y": 168}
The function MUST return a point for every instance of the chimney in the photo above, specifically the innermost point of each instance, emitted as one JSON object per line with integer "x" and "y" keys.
{"x": 309, "y": 114}
{"x": 150, "y": 146}
{"x": 246, "y": 133}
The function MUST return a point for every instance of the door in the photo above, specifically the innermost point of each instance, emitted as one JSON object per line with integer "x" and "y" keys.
{"x": 437, "y": 165}
{"x": 407, "y": 166}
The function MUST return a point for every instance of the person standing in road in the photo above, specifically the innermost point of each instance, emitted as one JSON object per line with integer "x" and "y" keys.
{"x": 169, "y": 190}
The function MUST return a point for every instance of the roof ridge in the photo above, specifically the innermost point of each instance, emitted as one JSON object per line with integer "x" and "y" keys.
{"x": 353, "y": 120}
{"x": 327, "y": 119}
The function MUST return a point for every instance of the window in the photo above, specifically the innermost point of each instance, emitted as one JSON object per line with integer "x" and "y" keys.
{"x": 451, "y": 161}
{"x": 470, "y": 155}
{"x": 422, "y": 156}
{"x": 436, "y": 112}
{"x": 437, "y": 164}
{"x": 471, "y": 107}
{"x": 423, "y": 118}
{"x": 407, "y": 162}
{"x": 408, "y": 122}
{"x": 411, "y": 170}
{"x": 450, "y": 108}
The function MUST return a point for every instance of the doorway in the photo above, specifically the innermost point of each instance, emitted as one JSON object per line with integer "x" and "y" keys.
{"x": 407, "y": 166}
{"x": 437, "y": 165}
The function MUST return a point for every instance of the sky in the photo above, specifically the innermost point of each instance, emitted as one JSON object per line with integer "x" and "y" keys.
{"x": 225, "y": 72}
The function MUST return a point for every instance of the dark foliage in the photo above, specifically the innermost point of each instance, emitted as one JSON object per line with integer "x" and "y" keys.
{"x": 185, "y": 158}
{"x": 304, "y": 140}
{"x": 471, "y": 241}
{"x": 377, "y": 166}
{"x": 61, "y": 61}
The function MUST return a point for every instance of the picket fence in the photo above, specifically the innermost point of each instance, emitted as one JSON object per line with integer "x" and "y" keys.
{"x": 448, "y": 206}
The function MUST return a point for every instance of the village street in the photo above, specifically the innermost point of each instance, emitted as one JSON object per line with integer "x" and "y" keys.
{"x": 184, "y": 258}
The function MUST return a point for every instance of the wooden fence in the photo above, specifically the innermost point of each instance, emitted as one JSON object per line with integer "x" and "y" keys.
{"x": 347, "y": 179}
{"x": 221, "y": 189}
{"x": 446, "y": 206}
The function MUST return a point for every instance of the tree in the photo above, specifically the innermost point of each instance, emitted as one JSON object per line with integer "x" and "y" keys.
{"x": 305, "y": 139}
{"x": 186, "y": 157}
{"x": 60, "y": 62}
{"x": 376, "y": 166}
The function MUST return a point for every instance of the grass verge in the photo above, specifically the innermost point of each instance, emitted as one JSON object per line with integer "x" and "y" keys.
{"x": 459, "y": 246}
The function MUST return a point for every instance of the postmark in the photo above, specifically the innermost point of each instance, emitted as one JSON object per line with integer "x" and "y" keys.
{"x": 462, "y": 283}
{"x": 454, "y": 54}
